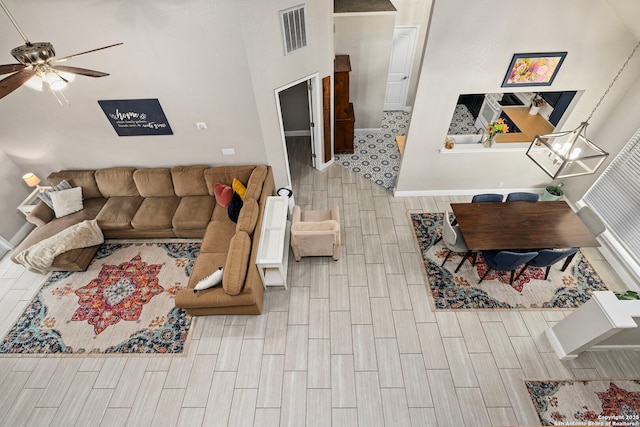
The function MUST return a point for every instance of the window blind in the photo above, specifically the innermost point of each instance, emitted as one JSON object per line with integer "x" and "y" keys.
{"x": 615, "y": 196}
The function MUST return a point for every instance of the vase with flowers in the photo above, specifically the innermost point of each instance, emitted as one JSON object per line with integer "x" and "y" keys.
{"x": 493, "y": 129}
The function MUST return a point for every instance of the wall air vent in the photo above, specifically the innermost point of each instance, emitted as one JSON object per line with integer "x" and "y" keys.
{"x": 294, "y": 29}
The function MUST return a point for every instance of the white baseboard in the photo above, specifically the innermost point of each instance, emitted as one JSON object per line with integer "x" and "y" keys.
{"x": 327, "y": 164}
{"x": 21, "y": 234}
{"x": 297, "y": 133}
{"x": 463, "y": 192}
{"x": 5, "y": 245}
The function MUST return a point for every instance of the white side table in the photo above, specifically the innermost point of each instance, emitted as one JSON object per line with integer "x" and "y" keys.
{"x": 273, "y": 248}
{"x": 29, "y": 203}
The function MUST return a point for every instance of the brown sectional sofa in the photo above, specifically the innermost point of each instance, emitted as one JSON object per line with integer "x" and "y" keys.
{"x": 172, "y": 202}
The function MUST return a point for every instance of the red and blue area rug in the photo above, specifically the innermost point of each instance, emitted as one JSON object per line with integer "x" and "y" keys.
{"x": 589, "y": 402}
{"x": 450, "y": 290}
{"x": 122, "y": 304}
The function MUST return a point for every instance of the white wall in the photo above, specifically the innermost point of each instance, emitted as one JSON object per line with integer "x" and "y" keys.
{"x": 215, "y": 61}
{"x": 271, "y": 69}
{"x": 13, "y": 190}
{"x": 188, "y": 55}
{"x": 367, "y": 38}
{"x": 469, "y": 53}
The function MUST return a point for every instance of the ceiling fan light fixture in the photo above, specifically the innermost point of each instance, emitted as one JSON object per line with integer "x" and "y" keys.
{"x": 54, "y": 81}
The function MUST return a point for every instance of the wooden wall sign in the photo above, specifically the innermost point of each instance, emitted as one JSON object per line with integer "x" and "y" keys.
{"x": 133, "y": 117}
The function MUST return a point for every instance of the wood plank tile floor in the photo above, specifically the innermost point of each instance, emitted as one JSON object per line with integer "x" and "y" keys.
{"x": 351, "y": 343}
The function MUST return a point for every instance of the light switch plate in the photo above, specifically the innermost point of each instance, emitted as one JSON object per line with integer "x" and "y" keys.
{"x": 201, "y": 125}
{"x": 228, "y": 151}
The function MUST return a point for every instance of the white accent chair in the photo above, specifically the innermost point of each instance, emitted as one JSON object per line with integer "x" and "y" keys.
{"x": 315, "y": 233}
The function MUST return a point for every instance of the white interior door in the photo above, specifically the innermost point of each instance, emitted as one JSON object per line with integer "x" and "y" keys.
{"x": 402, "y": 53}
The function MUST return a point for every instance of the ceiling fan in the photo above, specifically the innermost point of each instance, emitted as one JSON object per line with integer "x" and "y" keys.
{"x": 37, "y": 62}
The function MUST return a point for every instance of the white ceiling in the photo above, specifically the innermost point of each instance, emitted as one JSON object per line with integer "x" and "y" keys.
{"x": 629, "y": 13}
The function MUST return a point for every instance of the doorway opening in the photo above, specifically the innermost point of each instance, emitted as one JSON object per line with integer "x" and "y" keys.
{"x": 300, "y": 114}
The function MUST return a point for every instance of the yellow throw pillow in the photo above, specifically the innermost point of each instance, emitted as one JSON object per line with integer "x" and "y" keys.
{"x": 239, "y": 188}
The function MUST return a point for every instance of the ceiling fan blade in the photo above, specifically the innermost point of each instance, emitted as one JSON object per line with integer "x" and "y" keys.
{"x": 82, "y": 53}
{"x": 81, "y": 71}
{"x": 14, "y": 81}
{"x": 10, "y": 68}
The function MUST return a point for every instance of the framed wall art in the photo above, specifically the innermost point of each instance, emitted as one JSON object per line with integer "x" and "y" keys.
{"x": 533, "y": 69}
{"x": 134, "y": 117}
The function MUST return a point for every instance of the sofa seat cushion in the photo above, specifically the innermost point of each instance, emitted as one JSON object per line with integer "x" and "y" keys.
{"x": 218, "y": 236}
{"x": 205, "y": 264}
{"x": 156, "y": 213}
{"x": 220, "y": 213}
{"x": 212, "y": 297}
{"x": 193, "y": 213}
{"x": 118, "y": 212}
{"x": 154, "y": 182}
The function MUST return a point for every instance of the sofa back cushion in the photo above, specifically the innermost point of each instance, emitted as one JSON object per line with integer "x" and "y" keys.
{"x": 254, "y": 185}
{"x": 225, "y": 175}
{"x": 155, "y": 182}
{"x": 84, "y": 179}
{"x": 248, "y": 217}
{"x": 114, "y": 182}
{"x": 189, "y": 180}
{"x": 235, "y": 268}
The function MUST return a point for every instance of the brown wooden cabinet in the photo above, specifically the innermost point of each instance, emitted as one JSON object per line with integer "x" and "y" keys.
{"x": 343, "y": 109}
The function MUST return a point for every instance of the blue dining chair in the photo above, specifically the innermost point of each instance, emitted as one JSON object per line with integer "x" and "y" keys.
{"x": 487, "y": 197}
{"x": 522, "y": 196}
{"x": 548, "y": 257}
{"x": 506, "y": 261}
{"x": 481, "y": 198}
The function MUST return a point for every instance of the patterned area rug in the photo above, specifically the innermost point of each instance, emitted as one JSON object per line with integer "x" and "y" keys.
{"x": 561, "y": 290}
{"x": 593, "y": 402}
{"x": 123, "y": 303}
{"x": 376, "y": 155}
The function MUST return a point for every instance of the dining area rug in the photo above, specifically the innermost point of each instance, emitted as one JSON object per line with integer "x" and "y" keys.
{"x": 450, "y": 290}
{"x": 122, "y": 304}
{"x": 586, "y": 402}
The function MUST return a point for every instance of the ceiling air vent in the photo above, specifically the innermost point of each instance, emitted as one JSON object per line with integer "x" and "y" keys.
{"x": 293, "y": 28}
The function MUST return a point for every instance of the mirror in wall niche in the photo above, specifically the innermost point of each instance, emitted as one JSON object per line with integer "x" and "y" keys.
{"x": 526, "y": 113}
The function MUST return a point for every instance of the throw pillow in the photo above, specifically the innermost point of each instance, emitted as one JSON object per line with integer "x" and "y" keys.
{"x": 66, "y": 202}
{"x": 234, "y": 207}
{"x": 212, "y": 280}
{"x": 239, "y": 187}
{"x": 223, "y": 194}
{"x": 45, "y": 196}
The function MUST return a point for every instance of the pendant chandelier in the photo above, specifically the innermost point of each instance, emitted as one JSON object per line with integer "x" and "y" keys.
{"x": 570, "y": 153}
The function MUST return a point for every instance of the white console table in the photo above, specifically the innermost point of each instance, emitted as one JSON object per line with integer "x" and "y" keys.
{"x": 273, "y": 248}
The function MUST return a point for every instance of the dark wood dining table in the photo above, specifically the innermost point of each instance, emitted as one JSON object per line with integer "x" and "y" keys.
{"x": 521, "y": 225}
